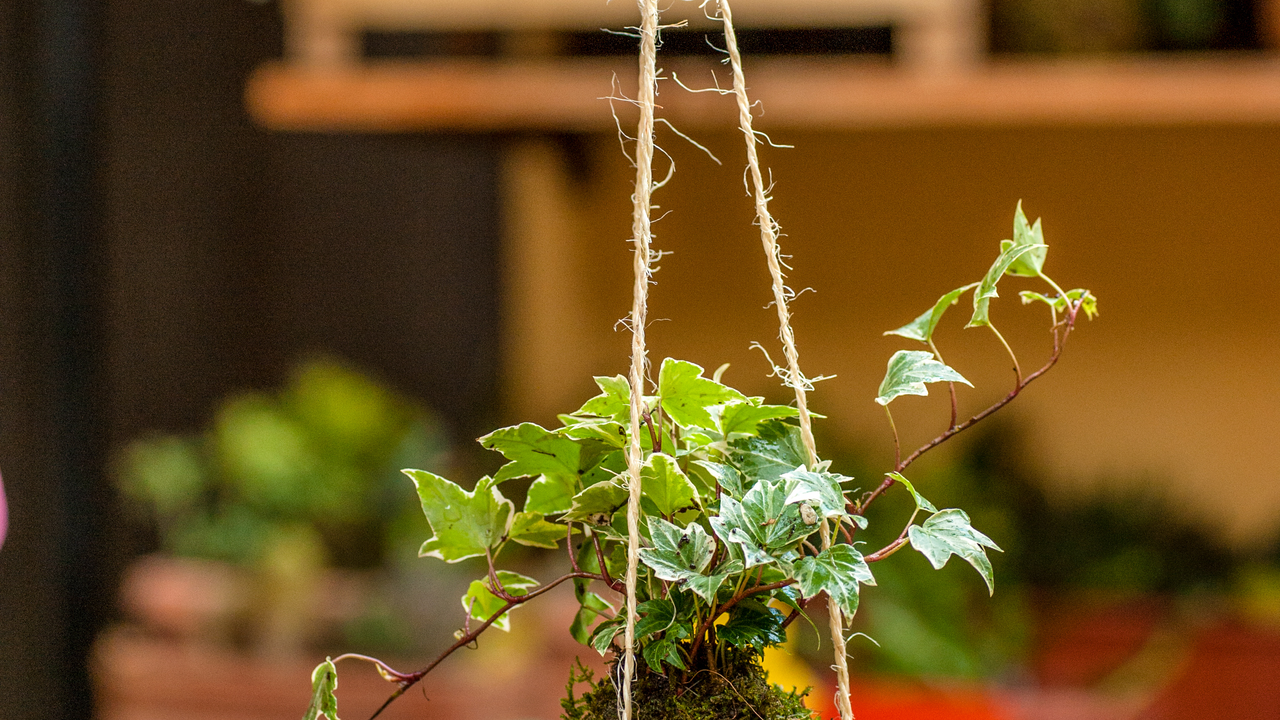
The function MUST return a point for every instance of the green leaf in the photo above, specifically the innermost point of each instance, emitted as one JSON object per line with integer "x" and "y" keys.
{"x": 837, "y": 571}
{"x": 987, "y": 288}
{"x": 763, "y": 525}
{"x": 550, "y": 495}
{"x": 820, "y": 490}
{"x": 1030, "y": 263}
{"x": 598, "y": 503}
{"x": 655, "y": 616}
{"x": 592, "y": 607}
{"x": 604, "y": 634}
{"x": 614, "y": 400}
{"x": 685, "y": 395}
{"x": 908, "y": 372}
{"x": 726, "y": 476}
{"x": 948, "y": 532}
{"x": 774, "y": 452}
{"x": 324, "y": 682}
{"x": 677, "y": 554}
{"x": 1059, "y": 303}
{"x": 922, "y": 327}
{"x": 528, "y": 528}
{"x": 662, "y": 481}
{"x": 482, "y": 603}
{"x": 656, "y": 653}
{"x": 921, "y": 503}
{"x": 706, "y": 586}
{"x": 742, "y": 417}
{"x": 609, "y": 432}
{"x": 753, "y": 624}
{"x": 533, "y": 450}
{"x": 466, "y": 524}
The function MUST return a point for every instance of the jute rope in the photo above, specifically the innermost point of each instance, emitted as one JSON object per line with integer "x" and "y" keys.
{"x": 769, "y": 238}
{"x": 642, "y": 267}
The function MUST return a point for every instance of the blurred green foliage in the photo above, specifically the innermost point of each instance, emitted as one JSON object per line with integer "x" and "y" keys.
{"x": 317, "y": 461}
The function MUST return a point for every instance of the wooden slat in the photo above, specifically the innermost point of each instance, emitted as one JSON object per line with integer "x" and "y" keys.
{"x": 566, "y": 94}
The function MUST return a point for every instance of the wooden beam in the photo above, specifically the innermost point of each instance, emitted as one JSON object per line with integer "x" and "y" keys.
{"x": 568, "y": 95}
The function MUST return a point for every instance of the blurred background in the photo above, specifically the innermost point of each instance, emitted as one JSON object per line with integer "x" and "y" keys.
{"x": 257, "y": 256}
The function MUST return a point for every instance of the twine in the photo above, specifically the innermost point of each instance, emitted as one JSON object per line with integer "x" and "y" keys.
{"x": 641, "y": 232}
{"x": 769, "y": 239}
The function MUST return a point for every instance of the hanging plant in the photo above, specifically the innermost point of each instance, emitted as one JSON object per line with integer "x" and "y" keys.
{"x": 698, "y": 523}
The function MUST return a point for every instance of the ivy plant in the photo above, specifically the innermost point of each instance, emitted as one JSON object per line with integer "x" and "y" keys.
{"x": 731, "y": 513}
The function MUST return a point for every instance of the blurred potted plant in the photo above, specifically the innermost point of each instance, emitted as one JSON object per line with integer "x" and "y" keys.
{"x": 252, "y": 513}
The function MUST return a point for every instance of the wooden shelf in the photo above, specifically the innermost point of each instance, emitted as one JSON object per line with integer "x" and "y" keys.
{"x": 567, "y": 95}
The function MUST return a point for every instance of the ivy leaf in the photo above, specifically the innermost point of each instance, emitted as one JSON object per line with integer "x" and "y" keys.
{"x": 921, "y": 503}
{"x": 1030, "y": 263}
{"x": 742, "y": 417}
{"x": 606, "y": 431}
{"x": 614, "y": 400}
{"x": 549, "y": 495}
{"x": 949, "y": 532}
{"x": 533, "y": 450}
{"x": 592, "y": 607}
{"x": 752, "y": 624}
{"x": 726, "y": 476}
{"x": 466, "y": 524}
{"x": 677, "y": 555}
{"x": 818, "y": 489}
{"x": 481, "y": 603}
{"x": 763, "y": 525}
{"x": 324, "y": 682}
{"x": 837, "y": 571}
{"x": 664, "y": 650}
{"x": 662, "y": 481}
{"x": 775, "y": 451}
{"x": 528, "y": 528}
{"x": 706, "y": 586}
{"x": 923, "y": 326}
{"x": 598, "y": 503}
{"x": 987, "y": 288}
{"x": 685, "y": 395}
{"x": 1059, "y": 303}
{"x": 655, "y": 616}
{"x": 604, "y": 634}
{"x": 908, "y": 372}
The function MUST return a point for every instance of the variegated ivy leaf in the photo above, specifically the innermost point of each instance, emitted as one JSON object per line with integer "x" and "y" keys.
{"x": 753, "y": 624}
{"x": 531, "y": 529}
{"x": 742, "y": 417}
{"x": 726, "y": 476}
{"x": 610, "y": 432}
{"x": 481, "y": 603}
{"x": 948, "y": 532}
{"x": 764, "y": 525}
{"x": 614, "y": 400}
{"x": 1059, "y": 303}
{"x": 836, "y": 571}
{"x": 908, "y": 372}
{"x": 773, "y": 452}
{"x": 604, "y": 634}
{"x": 686, "y": 395}
{"x": 677, "y": 554}
{"x": 662, "y": 651}
{"x": 987, "y": 288}
{"x": 662, "y": 481}
{"x": 592, "y": 607}
{"x": 598, "y": 503}
{"x": 655, "y": 616}
{"x": 532, "y": 450}
{"x": 1030, "y": 263}
{"x": 324, "y": 682}
{"x": 466, "y": 524}
{"x": 820, "y": 490}
{"x": 921, "y": 503}
{"x": 922, "y": 327}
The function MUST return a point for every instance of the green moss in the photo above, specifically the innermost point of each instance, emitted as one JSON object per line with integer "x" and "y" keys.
{"x": 738, "y": 690}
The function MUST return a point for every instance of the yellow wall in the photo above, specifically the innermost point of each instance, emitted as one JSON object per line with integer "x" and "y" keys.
{"x": 1175, "y": 229}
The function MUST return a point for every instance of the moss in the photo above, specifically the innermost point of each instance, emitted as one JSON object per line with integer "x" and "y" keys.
{"x": 739, "y": 690}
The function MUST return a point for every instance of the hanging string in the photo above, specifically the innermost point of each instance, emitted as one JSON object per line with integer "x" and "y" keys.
{"x": 769, "y": 238}
{"x": 642, "y": 267}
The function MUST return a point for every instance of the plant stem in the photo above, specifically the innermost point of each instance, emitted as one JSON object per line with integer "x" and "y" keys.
{"x": 1016, "y": 367}
{"x": 411, "y": 679}
{"x": 897, "y": 446}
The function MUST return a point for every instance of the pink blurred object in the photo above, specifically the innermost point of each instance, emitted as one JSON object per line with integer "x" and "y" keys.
{"x": 4, "y": 514}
